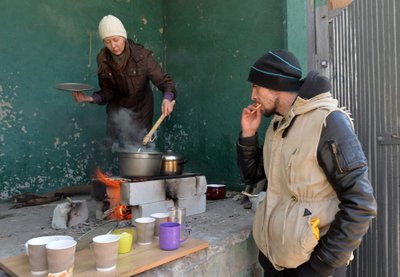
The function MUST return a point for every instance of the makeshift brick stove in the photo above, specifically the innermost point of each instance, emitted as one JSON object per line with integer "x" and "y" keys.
{"x": 124, "y": 198}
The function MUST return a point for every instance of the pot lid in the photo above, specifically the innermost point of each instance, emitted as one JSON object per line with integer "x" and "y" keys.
{"x": 171, "y": 156}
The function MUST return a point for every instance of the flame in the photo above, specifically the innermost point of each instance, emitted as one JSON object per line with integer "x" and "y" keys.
{"x": 106, "y": 180}
{"x": 119, "y": 212}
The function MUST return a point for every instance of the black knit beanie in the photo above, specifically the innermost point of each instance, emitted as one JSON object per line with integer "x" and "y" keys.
{"x": 277, "y": 70}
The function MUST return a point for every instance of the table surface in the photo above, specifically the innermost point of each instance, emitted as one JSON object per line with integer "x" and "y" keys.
{"x": 140, "y": 259}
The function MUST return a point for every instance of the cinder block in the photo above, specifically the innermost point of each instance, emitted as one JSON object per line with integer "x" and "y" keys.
{"x": 201, "y": 185}
{"x": 194, "y": 205}
{"x": 151, "y": 208}
{"x": 181, "y": 187}
{"x": 138, "y": 193}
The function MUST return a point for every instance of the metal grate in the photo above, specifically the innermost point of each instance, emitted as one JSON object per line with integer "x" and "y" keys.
{"x": 364, "y": 56}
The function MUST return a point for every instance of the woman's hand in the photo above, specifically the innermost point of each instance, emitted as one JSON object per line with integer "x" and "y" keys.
{"x": 251, "y": 120}
{"x": 80, "y": 97}
{"x": 167, "y": 106}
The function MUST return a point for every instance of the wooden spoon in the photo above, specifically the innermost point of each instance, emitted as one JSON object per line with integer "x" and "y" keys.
{"x": 147, "y": 138}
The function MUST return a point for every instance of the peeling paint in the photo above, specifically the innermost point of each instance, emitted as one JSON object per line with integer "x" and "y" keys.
{"x": 56, "y": 143}
{"x": 177, "y": 138}
{"x": 5, "y": 109}
{"x": 144, "y": 20}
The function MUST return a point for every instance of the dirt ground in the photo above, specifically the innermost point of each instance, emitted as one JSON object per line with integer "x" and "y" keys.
{"x": 19, "y": 225}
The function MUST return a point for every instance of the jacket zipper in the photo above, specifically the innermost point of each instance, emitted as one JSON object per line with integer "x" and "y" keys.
{"x": 290, "y": 166}
{"x": 335, "y": 152}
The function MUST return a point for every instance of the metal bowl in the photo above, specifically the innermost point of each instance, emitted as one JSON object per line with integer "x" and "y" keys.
{"x": 139, "y": 164}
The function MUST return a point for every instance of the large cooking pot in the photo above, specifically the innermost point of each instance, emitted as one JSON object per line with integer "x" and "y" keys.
{"x": 172, "y": 163}
{"x": 139, "y": 164}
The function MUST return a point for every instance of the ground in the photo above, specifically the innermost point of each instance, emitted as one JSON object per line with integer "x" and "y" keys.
{"x": 19, "y": 225}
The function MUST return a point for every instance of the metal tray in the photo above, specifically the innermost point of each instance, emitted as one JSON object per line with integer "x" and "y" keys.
{"x": 105, "y": 228}
{"x": 73, "y": 86}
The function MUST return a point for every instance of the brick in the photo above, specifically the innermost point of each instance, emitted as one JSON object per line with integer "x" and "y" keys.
{"x": 181, "y": 187}
{"x": 138, "y": 193}
{"x": 201, "y": 185}
{"x": 194, "y": 205}
{"x": 151, "y": 208}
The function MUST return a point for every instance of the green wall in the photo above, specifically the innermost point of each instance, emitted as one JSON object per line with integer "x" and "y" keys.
{"x": 47, "y": 141}
{"x": 211, "y": 46}
{"x": 295, "y": 26}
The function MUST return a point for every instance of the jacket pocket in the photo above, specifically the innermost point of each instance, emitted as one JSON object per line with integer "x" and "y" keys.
{"x": 347, "y": 154}
{"x": 309, "y": 235}
{"x": 291, "y": 244}
{"x": 106, "y": 75}
{"x": 138, "y": 77}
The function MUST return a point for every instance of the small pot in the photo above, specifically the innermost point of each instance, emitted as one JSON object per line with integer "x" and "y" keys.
{"x": 215, "y": 192}
{"x": 172, "y": 163}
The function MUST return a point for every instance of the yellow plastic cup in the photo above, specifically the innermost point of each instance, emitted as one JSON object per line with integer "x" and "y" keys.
{"x": 125, "y": 239}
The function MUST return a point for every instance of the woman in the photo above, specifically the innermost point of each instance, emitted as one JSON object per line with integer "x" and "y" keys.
{"x": 124, "y": 71}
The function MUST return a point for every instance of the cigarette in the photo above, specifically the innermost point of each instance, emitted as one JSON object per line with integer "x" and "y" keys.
{"x": 256, "y": 107}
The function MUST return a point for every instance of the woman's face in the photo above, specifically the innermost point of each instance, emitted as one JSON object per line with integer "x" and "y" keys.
{"x": 116, "y": 44}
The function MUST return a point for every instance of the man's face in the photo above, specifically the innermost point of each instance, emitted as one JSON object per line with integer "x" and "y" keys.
{"x": 116, "y": 44}
{"x": 267, "y": 98}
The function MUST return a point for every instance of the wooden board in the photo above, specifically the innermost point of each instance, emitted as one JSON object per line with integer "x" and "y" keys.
{"x": 140, "y": 259}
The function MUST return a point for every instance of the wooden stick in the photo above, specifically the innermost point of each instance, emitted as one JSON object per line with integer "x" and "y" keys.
{"x": 256, "y": 108}
{"x": 248, "y": 194}
{"x": 31, "y": 199}
{"x": 147, "y": 138}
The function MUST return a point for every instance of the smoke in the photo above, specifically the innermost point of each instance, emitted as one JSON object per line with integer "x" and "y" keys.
{"x": 129, "y": 134}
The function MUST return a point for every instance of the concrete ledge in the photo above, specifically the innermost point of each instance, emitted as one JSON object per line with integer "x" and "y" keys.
{"x": 226, "y": 226}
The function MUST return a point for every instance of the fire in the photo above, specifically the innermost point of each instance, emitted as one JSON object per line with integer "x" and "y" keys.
{"x": 106, "y": 180}
{"x": 116, "y": 210}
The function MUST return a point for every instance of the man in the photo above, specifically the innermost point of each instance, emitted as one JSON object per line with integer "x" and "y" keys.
{"x": 319, "y": 202}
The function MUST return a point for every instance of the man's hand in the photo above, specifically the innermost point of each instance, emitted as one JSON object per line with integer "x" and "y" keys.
{"x": 251, "y": 120}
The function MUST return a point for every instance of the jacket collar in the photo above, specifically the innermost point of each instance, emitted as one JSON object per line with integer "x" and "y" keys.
{"x": 302, "y": 106}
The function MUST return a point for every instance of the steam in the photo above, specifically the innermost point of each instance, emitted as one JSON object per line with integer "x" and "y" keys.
{"x": 129, "y": 134}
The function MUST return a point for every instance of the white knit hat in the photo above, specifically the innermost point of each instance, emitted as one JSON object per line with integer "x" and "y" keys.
{"x": 111, "y": 26}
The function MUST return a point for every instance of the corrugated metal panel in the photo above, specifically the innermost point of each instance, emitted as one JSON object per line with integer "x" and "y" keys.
{"x": 365, "y": 71}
